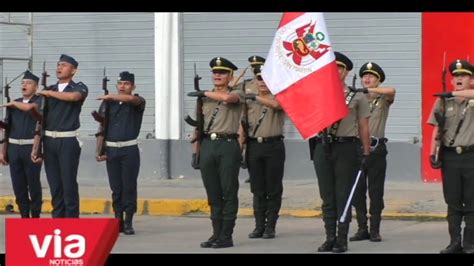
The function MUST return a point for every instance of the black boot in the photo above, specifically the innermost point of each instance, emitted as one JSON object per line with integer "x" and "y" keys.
{"x": 259, "y": 225}
{"x": 468, "y": 240}
{"x": 270, "y": 227}
{"x": 127, "y": 224}
{"x": 454, "y": 228}
{"x": 225, "y": 238}
{"x": 216, "y": 231}
{"x": 119, "y": 215}
{"x": 341, "y": 239}
{"x": 375, "y": 228}
{"x": 363, "y": 231}
{"x": 24, "y": 212}
{"x": 330, "y": 227}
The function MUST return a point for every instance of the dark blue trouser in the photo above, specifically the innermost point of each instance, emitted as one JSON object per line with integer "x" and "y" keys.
{"x": 25, "y": 179}
{"x": 61, "y": 161}
{"x": 123, "y": 165}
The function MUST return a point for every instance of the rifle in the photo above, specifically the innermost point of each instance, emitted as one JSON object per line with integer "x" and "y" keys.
{"x": 37, "y": 149}
{"x": 5, "y": 123}
{"x": 441, "y": 119}
{"x": 103, "y": 120}
{"x": 245, "y": 131}
{"x": 198, "y": 124}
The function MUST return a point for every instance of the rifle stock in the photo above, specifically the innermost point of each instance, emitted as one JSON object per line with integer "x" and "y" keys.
{"x": 37, "y": 149}
{"x": 245, "y": 132}
{"x": 5, "y": 123}
{"x": 441, "y": 119}
{"x": 103, "y": 118}
{"x": 199, "y": 129}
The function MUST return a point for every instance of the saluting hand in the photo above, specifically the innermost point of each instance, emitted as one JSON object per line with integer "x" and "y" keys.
{"x": 444, "y": 94}
{"x": 107, "y": 97}
{"x": 45, "y": 93}
{"x": 363, "y": 90}
{"x": 197, "y": 94}
{"x": 10, "y": 104}
{"x": 251, "y": 96}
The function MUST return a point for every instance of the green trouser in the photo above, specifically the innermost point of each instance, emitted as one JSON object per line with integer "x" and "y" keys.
{"x": 220, "y": 164}
{"x": 336, "y": 176}
{"x": 458, "y": 190}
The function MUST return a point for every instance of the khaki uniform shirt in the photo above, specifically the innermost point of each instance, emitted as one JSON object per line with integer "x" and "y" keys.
{"x": 358, "y": 108}
{"x": 227, "y": 119}
{"x": 272, "y": 122}
{"x": 454, "y": 110}
{"x": 379, "y": 108}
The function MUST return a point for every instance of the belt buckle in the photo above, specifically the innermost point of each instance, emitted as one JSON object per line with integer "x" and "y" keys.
{"x": 20, "y": 141}
{"x": 53, "y": 134}
{"x": 119, "y": 144}
{"x": 458, "y": 149}
{"x": 213, "y": 136}
{"x": 259, "y": 139}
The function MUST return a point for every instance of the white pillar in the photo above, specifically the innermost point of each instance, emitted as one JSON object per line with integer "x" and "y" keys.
{"x": 167, "y": 73}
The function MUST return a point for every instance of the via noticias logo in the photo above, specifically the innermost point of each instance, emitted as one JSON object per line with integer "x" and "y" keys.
{"x": 60, "y": 242}
{"x": 65, "y": 252}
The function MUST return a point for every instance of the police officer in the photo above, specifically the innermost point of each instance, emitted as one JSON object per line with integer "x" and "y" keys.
{"x": 122, "y": 154}
{"x": 336, "y": 156}
{"x": 250, "y": 86}
{"x": 380, "y": 100}
{"x": 24, "y": 173}
{"x": 61, "y": 146}
{"x": 266, "y": 158}
{"x": 220, "y": 151}
{"x": 457, "y": 157}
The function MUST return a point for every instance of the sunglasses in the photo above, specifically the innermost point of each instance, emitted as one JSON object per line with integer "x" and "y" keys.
{"x": 259, "y": 78}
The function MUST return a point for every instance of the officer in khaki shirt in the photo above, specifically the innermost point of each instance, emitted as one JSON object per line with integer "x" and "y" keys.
{"x": 266, "y": 158}
{"x": 249, "y": 86}
{"x": 380, "y": 100}
{"x": 220, "y": 151}
{"x": 457, "y": 165}
{"x": 336, "y": 156}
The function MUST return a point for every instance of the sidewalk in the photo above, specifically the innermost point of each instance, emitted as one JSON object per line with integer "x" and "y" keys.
{"x": 181, "y": 196}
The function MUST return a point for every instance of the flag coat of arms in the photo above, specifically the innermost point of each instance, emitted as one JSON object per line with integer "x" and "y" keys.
{"x": 302, "y": 73}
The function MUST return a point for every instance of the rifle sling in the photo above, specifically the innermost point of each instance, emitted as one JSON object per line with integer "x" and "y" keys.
{"x": 461, "y": 121}
{"x": 349, "y": 97}
{"x": 214, "y": 114}
{"x": 259, "y": 121}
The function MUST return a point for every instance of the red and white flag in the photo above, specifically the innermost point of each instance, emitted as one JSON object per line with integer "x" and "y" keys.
{"x": 301, "y": 72}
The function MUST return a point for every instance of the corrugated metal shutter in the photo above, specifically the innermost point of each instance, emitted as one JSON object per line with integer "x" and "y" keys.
{"x": 393, "y": 40}
{"x": 117, "y": 41}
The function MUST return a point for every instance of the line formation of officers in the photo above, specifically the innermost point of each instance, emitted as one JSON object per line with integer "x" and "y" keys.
{"x": 354, "y": 144}
{"x": 57, "y": 107}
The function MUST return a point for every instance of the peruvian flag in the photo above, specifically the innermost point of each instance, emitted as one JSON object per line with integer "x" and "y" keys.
{"x": 301, "y": 72}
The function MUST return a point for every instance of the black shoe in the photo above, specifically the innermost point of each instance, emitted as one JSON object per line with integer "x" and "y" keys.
{"x": 269, "y": 233}
{"x": 128, "y": 229}
{"x": 340, "y": 246}
{"x": 223, "y": 243}
{"x": 208, "y": 243}
{"x": 452, "y": 248}
{"x": 326, "y": 246}
{"x": 360, "y": 235}
{"x": 375, "y": 237}
{"x": 257, "y": 233}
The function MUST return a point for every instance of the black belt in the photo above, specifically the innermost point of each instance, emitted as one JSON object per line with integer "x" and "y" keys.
{"x": 460, "y": 149}
{"x": 267, "y": 139}
{"x": 338, "y": 139}
{"x": 221, "y": 136}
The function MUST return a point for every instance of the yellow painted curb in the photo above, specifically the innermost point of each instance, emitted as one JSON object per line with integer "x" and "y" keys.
{"x": 179, "y": 207}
